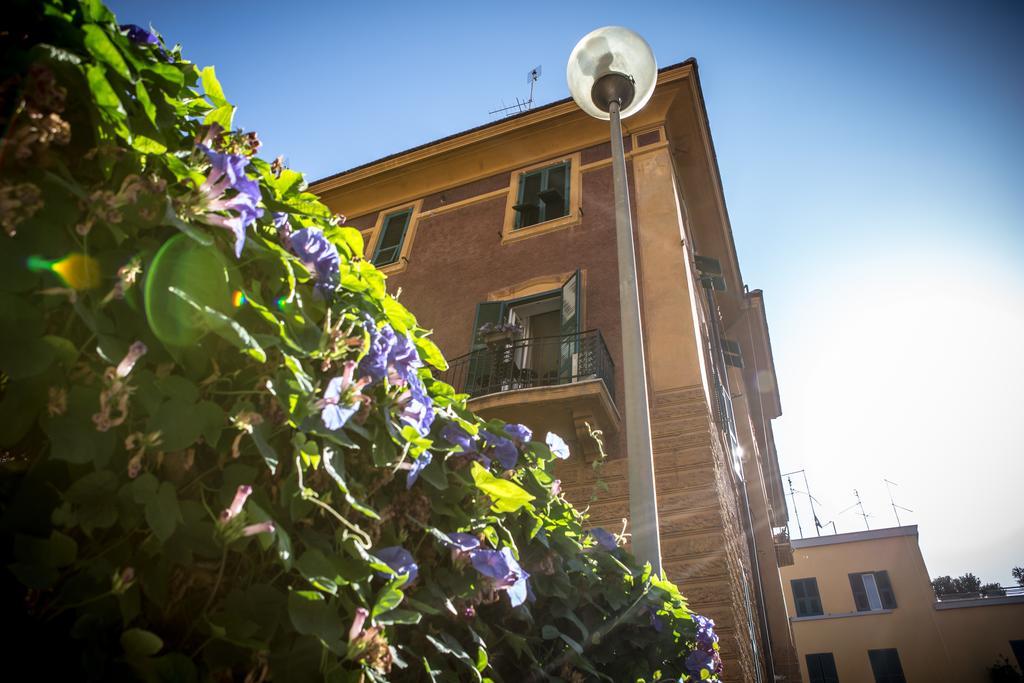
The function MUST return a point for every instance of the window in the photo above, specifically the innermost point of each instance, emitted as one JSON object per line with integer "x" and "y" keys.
{"x": 392, "y": 236}
{"x": 885, "y": 664}
{"x": 806, "y": 597}
{"x": 872, "y": 591}
{"x": 731, "y": 353}
{"x": 543, "y": 195}
{"x": 821, "y": 668}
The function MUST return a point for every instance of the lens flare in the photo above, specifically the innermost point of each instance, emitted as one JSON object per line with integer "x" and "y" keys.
{"x": 77, "y": 271}
{"x": 238, "y": 298}
{"x": 281, "y": 303}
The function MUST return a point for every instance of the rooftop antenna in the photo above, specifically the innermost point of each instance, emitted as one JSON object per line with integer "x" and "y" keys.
{"x": 895, "y": 508}
{"x": 796, "y": 510}
{"x": 859, "y": 504}
{"x": 521, "y": 105}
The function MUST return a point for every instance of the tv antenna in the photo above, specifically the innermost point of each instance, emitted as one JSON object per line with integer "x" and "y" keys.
{"x": 818, "y": 526}
{"x": 521, "y": 105}
{"x": 859, "y": 504}
{"x": 895, "y": 508}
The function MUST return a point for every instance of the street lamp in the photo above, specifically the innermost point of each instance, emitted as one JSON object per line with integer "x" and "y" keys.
{"x": 611, "y": 75}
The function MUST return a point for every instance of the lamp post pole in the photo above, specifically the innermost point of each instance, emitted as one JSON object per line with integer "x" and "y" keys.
{"x": 643, "y": 501}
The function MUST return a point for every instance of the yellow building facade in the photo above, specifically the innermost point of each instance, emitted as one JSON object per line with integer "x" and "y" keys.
{"x": 862, "y": 609}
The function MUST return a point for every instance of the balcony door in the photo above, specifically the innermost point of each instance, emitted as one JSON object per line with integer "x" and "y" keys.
{"x": 547, "y": 349}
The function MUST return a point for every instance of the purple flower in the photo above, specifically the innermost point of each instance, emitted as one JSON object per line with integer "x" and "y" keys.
{"x": 382, "y": 340}
{"x": 318, "y": 255}
{"x": 503, "y": 572}
{"x": 234, "y": 212}
{"x": 706, "y": 636}
{"x": 459, "y": 540}
{"x": 502, "y": 449}
{"x": 558, "y": 447}
{"x": 242, "y": 494}
{"x": 699, "y": 660}
{"x": 283, "y": 225}
{"x": 404, "y": 357}
{"x": 400, "y": 560}
{"x": 139, "y": 35}
{"x": 657, "y": 623}
{"x": 519, "y": 433}
{"x": 418, "y": 465}
{"x": 457, "y": 436}
{"x": 341, "y": 398}
{"x": 416, "y": 407}
{"x": 605, "y": 539}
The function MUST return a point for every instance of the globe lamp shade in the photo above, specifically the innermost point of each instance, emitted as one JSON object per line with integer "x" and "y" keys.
{"x": 611, "y": 64}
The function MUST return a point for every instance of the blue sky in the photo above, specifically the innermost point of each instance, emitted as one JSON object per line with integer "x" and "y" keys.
{"x": 872, "y": 155}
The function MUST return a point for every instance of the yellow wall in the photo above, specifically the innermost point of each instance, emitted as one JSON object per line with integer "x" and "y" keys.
{"x": 933, "y": 645}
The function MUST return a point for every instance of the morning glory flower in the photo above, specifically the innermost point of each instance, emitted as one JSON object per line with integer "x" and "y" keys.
{"x": 457, "y": 436}
{"x": 519, "y": 433}
{"x": 282, "y": 223}
{"x": 139, "y": 35}
{"x": 237, "y": 211}
{"x": 404, "y": 357}
{"x": 318, "y": 255}
{"x": 699, "y": 660}
{"x": 400, "y": 560}
{"x": 341, "y": 398}
{"x": 706, "y": 636}
{"x": 459, "y": 540}
{"x": 416, "y": 407}
{"x": 503, "y": 572}
{"x": 418, "y": 465}
{"x": 605, "y": 539}
{"x": 558, "y": 447}
{"x": 382, "y": 340}
{"x": 232, "y": 511}
{"x": 503, "y": 449}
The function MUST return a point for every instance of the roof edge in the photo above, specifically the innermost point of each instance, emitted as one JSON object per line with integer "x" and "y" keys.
{"x": 692, "y": 61}
{"x": 856, "y": 536}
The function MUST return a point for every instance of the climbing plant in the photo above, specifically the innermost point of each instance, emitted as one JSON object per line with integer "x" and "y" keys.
{"x": 225, "y": 456}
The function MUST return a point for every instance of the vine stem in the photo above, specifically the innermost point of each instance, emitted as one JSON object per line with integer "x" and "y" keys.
{"x": 213, "y": 594}
{"x": 362, "y": 535}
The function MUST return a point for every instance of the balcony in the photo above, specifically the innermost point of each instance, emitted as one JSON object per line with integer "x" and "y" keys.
{"x": 555, "y": 383}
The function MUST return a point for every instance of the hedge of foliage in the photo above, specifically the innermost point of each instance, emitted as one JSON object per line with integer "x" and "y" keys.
{"x": 225, "y": 457}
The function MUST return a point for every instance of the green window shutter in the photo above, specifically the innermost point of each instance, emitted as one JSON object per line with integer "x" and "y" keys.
{"x": 860, "y": 596}
{"x": 486, "y": 312}
{"x": 731, "y": 353}
{"x": 885, "y": 590}
{"x": 806, "y": 598}
{"x": 886, "y": 666}
{"x": 710, "y": 271}
{"x": 821, "y": 668}
{"x": 543, "y": 195}
{"x": 392, "y": 236}
{"x": 569, "y": 345}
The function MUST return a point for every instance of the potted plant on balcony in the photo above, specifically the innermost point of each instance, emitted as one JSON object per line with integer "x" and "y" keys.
{"x": 498, "y": 335}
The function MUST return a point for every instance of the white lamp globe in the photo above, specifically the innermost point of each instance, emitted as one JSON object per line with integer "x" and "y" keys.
{"x": 611, "y": 63}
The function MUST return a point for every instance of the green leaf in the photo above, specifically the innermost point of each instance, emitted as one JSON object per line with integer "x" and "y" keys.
{"x": 101, "y": 90}
{"x": 266, "y": 450}
{"x": 389, "y": 597}
{"x": 171, "y": 219}
{"x": 311, "y": 614}
{"x": 223, "y": 116}
{"x": 145, "y": 101}
{"x": 400, "y": 616}
{"x": 97, "y": 43}
{"x": 449, "y": 646}
{"x": 211, "y": 86}
{"x": 162, "y": 511}
{"x": 225, "y": 327}
{"x": 140, "y": 643}
{"x": 506, "y": 495}
{"x": 147, "y": 145}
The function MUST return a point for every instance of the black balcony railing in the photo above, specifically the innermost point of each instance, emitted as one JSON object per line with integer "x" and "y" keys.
{"x": 537, "y": 362}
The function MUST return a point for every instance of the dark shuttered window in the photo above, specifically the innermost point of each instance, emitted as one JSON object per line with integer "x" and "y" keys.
{"x": 821, "y": 668}
{"x": 543, "y": 195}
{"x": 872, "y": 591}
{"x": 885, "y": 664}
{"x": 392, "y": 236}
{"x": 806, "y": 597}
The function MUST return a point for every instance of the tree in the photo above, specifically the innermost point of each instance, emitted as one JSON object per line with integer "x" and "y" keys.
{"x": 1018, "y": 574}
{"x": 225, "y": 453}
{"x": 967, "y": 584}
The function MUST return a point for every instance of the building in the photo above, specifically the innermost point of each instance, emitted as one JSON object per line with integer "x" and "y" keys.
{"x": 512, "y": 224}
{"x": 863, "y": 609}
